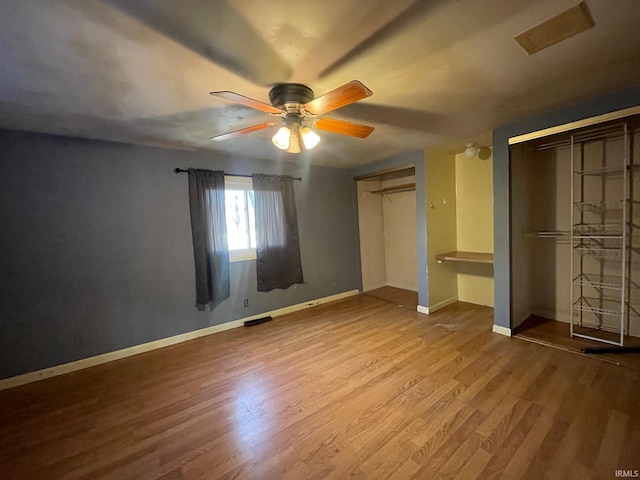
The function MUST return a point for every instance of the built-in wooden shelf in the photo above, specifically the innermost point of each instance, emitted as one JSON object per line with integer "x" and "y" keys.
{"x": 469, "y": 257}
{"x": 396, "y": 188}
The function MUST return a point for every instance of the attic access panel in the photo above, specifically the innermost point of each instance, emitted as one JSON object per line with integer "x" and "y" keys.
{"x": 556, "y": 29}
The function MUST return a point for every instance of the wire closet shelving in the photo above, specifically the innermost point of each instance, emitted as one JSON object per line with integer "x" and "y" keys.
{"x": 600, "y": 234}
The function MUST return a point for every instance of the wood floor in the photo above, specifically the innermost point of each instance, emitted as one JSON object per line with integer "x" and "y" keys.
{"x": 397, "y": 296}
{"x": 358, "y": 388}
{"x": 556, "y": 334}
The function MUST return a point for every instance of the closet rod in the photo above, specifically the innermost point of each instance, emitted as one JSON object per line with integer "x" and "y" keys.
{"x": 613, "y": 131}
{"x": 182, "y": 170}
{"x": 395, "y": 188}
{"x": 567, "y": 143}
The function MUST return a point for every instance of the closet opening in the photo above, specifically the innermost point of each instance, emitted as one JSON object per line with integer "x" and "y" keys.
{"x": 387, "y": 231}
{"x": 575, "y": 228}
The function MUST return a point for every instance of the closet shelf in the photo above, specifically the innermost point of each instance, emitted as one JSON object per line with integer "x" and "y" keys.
{"x": 599, "y": 253}
{"x": 469, "y": 257}
{"x": 549, "y": 234}
{"x": 606, "y": 171}
{"x": 611, "y": 282}
{"x": 600, "y": 172}
{"x": 396, "y": 188}
{"x": 604, "y": 229}
{"x": 600, "y": 207}
{"x": 598, "y": 306}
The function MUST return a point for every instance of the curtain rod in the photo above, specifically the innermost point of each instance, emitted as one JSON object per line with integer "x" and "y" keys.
{"x": 182, "y": 170}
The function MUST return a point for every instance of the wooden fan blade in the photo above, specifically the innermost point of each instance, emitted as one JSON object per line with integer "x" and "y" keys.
{"x": 348, "y": 93}
{"x": 249, "y": 102}
{"x": 343, "y": 128}
{"x": 242, "y": 131}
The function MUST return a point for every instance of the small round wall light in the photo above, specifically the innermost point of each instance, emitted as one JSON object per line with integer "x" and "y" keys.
{"x": 471, "y": 150}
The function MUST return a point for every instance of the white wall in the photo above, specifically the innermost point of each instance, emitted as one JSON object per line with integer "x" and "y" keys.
{"x": 541, "y": 267}
{"x": 401, "y": 256}
{"x": 459, "y": 217}
{"x": 550, "y": 198}
{"x": 441, "y": 227}
{"x": 387, "y": 225}
{"x": 474, "y": 226}
{"x": 371, "y": 225}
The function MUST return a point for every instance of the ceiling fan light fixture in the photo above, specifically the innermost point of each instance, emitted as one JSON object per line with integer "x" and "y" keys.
{"x": 295, "y": 139}
{"x": 309, "y": 138}
{"x": 282, "y": 139}
{"x": 292, "y": 137}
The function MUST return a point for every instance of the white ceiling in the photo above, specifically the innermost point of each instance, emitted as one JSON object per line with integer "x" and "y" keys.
{"x": 443, "y": 72}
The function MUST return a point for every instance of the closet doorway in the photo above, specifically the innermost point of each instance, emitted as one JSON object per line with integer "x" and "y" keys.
{"x": 576, "y": 241}
{"x": 387, "y": 228}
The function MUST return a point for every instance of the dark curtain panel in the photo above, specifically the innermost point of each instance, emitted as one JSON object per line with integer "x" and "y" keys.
{"x": 209, "y": 231}
{"x": 277, "y": 245}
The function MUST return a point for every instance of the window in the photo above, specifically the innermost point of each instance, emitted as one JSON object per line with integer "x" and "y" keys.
{"x": 241, "y": 219}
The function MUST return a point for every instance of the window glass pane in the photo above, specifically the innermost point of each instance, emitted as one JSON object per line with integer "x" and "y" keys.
{"x": 237, "y": 224}
{"x": 240, "y": 217}
{"x": 252, "y": 219}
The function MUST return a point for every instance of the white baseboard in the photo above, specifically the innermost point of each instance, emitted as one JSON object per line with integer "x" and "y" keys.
{"x": 387, "y": 284}
{"x": 502, "y": 330}
{"x": 402, "y": 287}
{"x": 164, "y": 342}
{"x": 437, "y": 306}
{"x": 373, "y": 287}
{"x": 442, "y": 304}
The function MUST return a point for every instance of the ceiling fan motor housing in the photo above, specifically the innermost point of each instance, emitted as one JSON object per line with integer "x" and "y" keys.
{"x": 290, "y": 93}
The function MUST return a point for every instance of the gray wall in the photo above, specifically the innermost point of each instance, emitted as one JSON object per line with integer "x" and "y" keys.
{"x": 502, "y": 191}
{"x": 417, "y": 159}
{"x": 96, "y": 247}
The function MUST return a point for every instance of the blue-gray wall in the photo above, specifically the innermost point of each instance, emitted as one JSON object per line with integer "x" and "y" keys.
{"x": 502, "y": 192}
{"x": 96, "y": 249}
{"x": 416, "y": 159}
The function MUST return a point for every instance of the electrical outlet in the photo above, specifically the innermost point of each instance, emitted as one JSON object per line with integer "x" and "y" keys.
{"x": 246, "y": 302}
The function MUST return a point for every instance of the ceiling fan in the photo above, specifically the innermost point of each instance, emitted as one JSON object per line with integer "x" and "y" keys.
{"x": 300, "y": 113}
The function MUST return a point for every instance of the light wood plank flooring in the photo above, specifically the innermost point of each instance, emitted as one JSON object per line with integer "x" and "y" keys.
{"x": 358, "y": 388}
{"x": 398, "y": 296}
{"x": 556, "y": 334}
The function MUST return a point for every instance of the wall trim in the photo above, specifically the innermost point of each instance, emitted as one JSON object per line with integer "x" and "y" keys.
{"x": 586, "y": 122}
{"x": 384, "y": 171}
{"x": 442, "y": 304}
{"x": 502, "y": 330}
{"x": 402, "y": 287}
{"x": 437, "y": 306}
{"x": 488, "y": 303}
{"x": 156, "y": 344}
{"x": 373, "y": 287}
